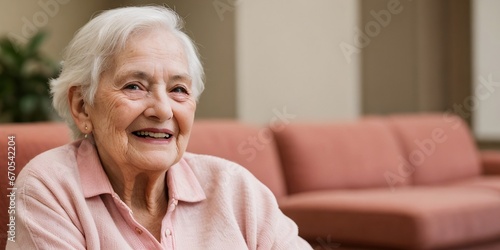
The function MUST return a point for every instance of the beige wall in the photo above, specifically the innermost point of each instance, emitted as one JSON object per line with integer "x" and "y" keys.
{"x": 430, "y": 55}
{"x": 289, "y": 60}
{"x": 388, "y": 57}
{"x": 216, "y": 44}
{"x": 418, "y": 59}
{"x": 404, "y": 62}
{"x": 215, "y": 40}
{"x": 486, "y": 70}
{"x": 20, "y": 19}
{"x": 268, "y": 57}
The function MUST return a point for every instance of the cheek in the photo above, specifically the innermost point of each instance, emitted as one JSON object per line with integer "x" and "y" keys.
{"x": 185, "y": 116}
{"x": 122, "y": 114}
{"x": 115, "y": 115}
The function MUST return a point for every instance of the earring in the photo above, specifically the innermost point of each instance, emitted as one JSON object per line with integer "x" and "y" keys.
{"x": 86, "y": 128}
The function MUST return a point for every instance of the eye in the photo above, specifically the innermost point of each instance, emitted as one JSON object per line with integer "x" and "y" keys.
{"x": 180, "y": 90}
{"x": 133, "y": 86}
{"x": 135, "y": 90}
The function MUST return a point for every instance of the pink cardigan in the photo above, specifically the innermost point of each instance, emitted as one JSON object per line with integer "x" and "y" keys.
{"x": 65, "y": 201}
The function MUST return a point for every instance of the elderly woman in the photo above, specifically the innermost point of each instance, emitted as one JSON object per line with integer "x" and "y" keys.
{"x": 128, "y": 89}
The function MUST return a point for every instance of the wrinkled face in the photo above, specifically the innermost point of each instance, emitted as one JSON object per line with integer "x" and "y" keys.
{"x": 144, "y": 108}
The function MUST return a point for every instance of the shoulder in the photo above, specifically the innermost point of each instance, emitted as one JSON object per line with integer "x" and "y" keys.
{"x": 227, "y": 179}
{"x": 55, "y": 166}
{"x": 208, "y": 166}
{"x": 210, "y": 161}
{"x": 238, "y": 195}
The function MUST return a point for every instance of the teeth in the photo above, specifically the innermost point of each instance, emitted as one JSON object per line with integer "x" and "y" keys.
{"x": 154, "y": 135}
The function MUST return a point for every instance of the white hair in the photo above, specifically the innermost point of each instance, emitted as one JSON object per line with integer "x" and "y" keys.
{"x": 94, "y": 45}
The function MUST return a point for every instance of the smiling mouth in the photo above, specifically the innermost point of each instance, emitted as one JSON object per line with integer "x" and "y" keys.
{"x": 153, "y": 135}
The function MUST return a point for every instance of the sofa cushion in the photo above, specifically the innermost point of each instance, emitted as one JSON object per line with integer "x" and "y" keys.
{"x": 440, "y": 147}
{"x": 409, "y": 218}
{"x": 490, "y": 182}
{"x": 346, "y": 155}
{"x": 250, "y": 146}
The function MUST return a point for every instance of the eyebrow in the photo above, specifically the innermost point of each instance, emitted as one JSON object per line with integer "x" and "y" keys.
{"x": 182, "y": 77}
{"x": 147, "y": 77}
{"x": 133, "y": 74}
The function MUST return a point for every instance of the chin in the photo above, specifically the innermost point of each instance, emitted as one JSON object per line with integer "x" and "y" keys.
{"x": 163, "y": 163}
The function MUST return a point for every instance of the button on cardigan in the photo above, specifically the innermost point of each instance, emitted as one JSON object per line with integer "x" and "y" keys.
{"x": 65, "y": 201}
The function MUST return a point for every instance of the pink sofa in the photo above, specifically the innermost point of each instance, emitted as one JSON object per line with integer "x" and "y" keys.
{"x": 388, "y": 182}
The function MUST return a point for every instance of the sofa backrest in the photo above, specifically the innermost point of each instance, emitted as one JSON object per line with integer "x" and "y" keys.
{"x": 347, "y": 155}
{"x": 250, "y": 146}
{"x": 30, "y": 140}
{"x": 439, "y": 146}
{"x": 253, "y": 147}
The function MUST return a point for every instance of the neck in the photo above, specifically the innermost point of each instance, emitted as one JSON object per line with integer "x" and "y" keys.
{"x": 145, "y": 194}
{"x": 142, "y": 192}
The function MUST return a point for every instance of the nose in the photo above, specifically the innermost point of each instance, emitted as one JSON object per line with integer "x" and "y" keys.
{"x": 159, "y": 106}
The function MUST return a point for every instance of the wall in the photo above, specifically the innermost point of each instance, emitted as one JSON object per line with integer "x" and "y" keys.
{"x": 267, "y": 58}
{"x": 215, "y": 37}
{"x": 289, "y": 61}
{"x": 486, "y": 71}
{"x": 389, "y": 64}
{"x": 431, "y": 44}
{"x": 418, "y": 58}
{"x": 21, "y": 19}
{"x": 415, "y": 57}
{"x": 216, "y": 40}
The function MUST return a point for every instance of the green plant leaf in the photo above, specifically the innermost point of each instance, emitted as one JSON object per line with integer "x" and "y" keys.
{"x": 24, "y": 75}
{"x": 28, "y": 103}
{"x": 34, "y": 43}
{"x": 10, "y": 57}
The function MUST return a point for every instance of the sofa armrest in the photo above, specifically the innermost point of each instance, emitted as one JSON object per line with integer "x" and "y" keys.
{"x": 490, "y": 160}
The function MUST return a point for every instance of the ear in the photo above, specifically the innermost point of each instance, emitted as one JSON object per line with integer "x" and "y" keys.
{"x": 78, "y": 109}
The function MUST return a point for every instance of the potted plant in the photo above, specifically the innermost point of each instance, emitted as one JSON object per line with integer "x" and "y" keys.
{"x": 24, "y": 75}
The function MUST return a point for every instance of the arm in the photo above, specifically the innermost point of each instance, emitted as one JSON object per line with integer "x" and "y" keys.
{"x": 274, "y": 230}
{"x": 490, "y": 161}
{"x": 282, "y": 233}
{"x": 42, "y": 222}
